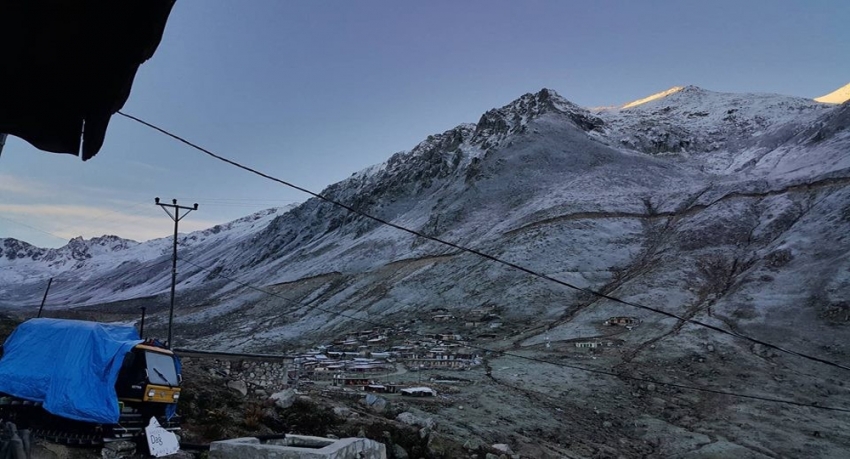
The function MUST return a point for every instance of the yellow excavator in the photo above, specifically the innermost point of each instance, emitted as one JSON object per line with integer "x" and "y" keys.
{"x": 85, "y": 382}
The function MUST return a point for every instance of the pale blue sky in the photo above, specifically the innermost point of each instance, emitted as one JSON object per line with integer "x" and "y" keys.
{"x": 312, "y": 91}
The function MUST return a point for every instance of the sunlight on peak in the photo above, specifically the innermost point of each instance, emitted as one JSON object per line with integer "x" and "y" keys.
{"x": 655, "y": 96}
{"x": 839, "y": 96}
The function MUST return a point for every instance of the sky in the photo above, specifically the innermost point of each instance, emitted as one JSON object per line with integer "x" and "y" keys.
{"x": 313, "y": 91}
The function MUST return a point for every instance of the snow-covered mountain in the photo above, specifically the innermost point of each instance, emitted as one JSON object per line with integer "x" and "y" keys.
{"x": 839, "y": 96}
{"x": 691, "y": 120}
{"x": 733, "y": 209}
{"x": 105, "y": 269}
{"x": 537, "y": 160}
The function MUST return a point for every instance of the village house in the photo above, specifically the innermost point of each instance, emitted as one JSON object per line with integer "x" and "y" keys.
{"x": 381, "y": 388}
{"x": 366, "y": 368}
{"x": 622, "y": 321}
{"x": 593, "y": 344}
{"x": 440, "y": 357}
{"x": 419, "y": 392}
{"x": 451, "y": 364}
{"x": 466, "y": 354}
{"x": 347, "y": 381}
{"x": 480, "y": 311}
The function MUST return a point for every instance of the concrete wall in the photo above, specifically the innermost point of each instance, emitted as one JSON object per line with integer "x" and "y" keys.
{"x": 298, "y": 447}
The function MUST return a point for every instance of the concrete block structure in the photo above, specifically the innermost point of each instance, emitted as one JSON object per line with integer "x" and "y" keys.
{"x": 298, "y": 447}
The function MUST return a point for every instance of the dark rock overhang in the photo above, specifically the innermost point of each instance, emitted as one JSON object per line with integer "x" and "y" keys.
{"x": 67, "y": 66}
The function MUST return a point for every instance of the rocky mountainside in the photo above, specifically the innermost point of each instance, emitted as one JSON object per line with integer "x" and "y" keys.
{"x": 727, "y": 208}
{"x": 538, "y": 160}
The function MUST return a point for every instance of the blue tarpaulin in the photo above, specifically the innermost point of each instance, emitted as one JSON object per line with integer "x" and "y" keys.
{"x": 69, "y": 365}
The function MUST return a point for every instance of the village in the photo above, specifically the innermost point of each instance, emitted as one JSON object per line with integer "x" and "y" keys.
{"x": 406, "y": 362}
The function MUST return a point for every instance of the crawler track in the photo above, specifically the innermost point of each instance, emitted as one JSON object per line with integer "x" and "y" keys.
{"x": 32, "y": 416}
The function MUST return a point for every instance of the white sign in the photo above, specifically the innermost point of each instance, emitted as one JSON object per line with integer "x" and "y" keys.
{"x": 160, "y": 441}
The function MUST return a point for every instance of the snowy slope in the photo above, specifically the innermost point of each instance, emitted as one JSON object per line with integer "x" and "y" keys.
{"x": 587, "y": 195}
{"x": 731, "y": 209}
{"x": 839, "y": 96}
{"x": 693, "y": 120}
{"x": 106, "y": 268}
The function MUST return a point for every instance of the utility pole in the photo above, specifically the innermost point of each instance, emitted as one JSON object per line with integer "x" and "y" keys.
{"x": 44, "y": 298}
{"x": 142, "y": 327}
{"x": 176, "y": 217}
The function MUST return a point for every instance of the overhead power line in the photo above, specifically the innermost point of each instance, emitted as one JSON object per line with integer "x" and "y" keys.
{"x": 99, "y": 218}
{"x": 102, "y": 280}
{"x": 373, "y": 323}
{"x": 33, "y": 228}
{"x": 485, "y": 255}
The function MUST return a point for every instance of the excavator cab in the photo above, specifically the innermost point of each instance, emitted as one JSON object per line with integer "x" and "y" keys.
{"x": 148, "y": 375}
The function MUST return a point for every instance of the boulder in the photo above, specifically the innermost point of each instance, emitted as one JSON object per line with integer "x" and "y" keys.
{"x": 342, "y": 411}
{"x": 399, "y": 452}
{"x": 413, "y": 420}
{"x": 503, "y": 448}
{"x": 472, "y": 444}
{"x": 118, "y": 450}
{"x": 238, "y": 386}
{"x": 375, "y": 403}
{"x": 284, "y": 398}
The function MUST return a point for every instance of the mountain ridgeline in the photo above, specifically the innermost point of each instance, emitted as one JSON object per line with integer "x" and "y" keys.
{"x": 729, "y": 209}
{"x": 686, "y": 199}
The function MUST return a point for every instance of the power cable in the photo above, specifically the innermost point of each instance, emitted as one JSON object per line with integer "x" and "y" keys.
{"x": 485, "y": 255}
{"x": 33, "y": 228}
{"x": 101, "y": 216}
{"x": 538, "y": 360}
{"x": 73, "y": 228}
{"x": 107, "y": 278}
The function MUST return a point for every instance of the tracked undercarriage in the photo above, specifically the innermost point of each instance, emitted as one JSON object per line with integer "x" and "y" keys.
{"x": 41, "y": 424}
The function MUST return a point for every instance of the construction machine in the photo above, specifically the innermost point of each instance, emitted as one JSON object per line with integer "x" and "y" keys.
{"x": 87, "y": 383}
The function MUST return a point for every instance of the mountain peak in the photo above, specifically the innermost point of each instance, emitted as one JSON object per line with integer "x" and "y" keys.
{"x": 512, "y": 118}
{"x": 839, "y": 96}
{"x": 536, "y": 104}
{"x": 12, "y": 249}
